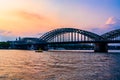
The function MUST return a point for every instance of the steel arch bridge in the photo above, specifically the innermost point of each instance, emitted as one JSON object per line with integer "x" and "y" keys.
{"x": 70, "y": 35}
{"x": 73, "y": 36}
{"x": 112, "y": 35}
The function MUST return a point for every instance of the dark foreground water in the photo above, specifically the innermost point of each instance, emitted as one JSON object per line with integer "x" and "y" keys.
{"x": 71, "y": 65}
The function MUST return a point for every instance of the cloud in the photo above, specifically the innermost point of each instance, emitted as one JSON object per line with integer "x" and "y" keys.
{"x": 2, "y": 31}
{"x": 28, "y": 15}
{"x": 113, "y": 20}
{"x": 6, "y": 35}
{"x": 112, "y": 23}
{"x": 22, "y": 22}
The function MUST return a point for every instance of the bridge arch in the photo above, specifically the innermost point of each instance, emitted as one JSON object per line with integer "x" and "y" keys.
{"x": 112, "y": 35}
{"x": 69, "y": 34}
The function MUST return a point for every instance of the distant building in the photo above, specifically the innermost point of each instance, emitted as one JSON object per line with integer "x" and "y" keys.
{"x": 27, "y": 43}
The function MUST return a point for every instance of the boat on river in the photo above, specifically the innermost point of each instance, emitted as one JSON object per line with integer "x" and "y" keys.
{"x": 40, "y": 50}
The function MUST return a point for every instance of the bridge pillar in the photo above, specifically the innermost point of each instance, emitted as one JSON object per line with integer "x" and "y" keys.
{"x": 101, "y": 47}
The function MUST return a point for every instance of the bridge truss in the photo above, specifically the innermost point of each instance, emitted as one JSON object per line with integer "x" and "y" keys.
{"x": 70, "y": 35}
{"x": 112, "y": 35}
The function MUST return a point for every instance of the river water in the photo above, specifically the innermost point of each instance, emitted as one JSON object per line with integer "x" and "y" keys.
{"x": 61, "y": 65}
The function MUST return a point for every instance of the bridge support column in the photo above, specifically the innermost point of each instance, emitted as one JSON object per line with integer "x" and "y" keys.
{"x": 101, "y": 47}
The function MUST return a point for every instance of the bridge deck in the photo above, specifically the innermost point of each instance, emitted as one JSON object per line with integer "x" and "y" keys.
{"x": 77, "y": 42}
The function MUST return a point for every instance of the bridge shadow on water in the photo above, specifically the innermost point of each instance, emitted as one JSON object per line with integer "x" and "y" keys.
{"x": 86, "y": 51}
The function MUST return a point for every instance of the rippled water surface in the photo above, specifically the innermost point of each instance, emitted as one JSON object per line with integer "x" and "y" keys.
{"x": 70, "y": 65}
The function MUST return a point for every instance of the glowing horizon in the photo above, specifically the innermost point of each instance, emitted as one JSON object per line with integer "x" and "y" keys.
{"x": 30, "y": 17}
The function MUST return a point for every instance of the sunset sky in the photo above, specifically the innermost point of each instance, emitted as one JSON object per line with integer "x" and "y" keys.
{"x": 34, "y": 17}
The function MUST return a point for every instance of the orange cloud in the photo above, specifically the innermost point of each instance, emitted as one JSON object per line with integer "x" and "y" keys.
{"x": 29, "y": 16}
{"x": 22, "y": 22}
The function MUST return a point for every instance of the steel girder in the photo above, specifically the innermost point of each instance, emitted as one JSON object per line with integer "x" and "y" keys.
{"x": 111, "y": 34}
{"x": 51, "y": 34}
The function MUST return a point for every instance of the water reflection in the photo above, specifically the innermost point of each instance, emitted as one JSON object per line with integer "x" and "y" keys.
{"x": 75, "y": 65}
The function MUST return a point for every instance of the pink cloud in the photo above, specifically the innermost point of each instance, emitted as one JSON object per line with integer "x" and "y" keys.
{"x": 5, "y": 33}
{"x": 112, "y": 23}
{"x": 112, "y": 20}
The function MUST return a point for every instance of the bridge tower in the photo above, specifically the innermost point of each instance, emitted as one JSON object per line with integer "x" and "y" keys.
{"x": 101, "y": 47}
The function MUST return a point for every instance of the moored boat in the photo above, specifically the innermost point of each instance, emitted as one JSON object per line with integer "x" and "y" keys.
{"x": 38, "y": 50}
